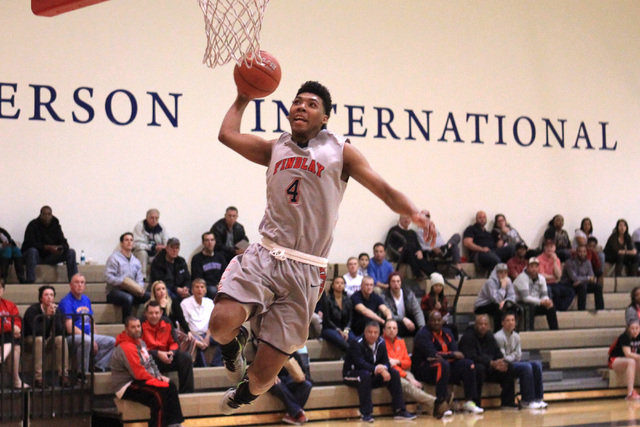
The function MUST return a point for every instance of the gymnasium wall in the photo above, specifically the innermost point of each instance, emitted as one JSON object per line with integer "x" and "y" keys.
{"x": 524, "y": 108}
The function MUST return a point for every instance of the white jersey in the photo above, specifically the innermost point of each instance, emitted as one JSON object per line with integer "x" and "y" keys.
{"x": 304, "y": 191}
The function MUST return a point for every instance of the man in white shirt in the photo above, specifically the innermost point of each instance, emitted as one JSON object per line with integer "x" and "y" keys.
{"x": 352, "y": 278}
{"x": 197, "y": 311}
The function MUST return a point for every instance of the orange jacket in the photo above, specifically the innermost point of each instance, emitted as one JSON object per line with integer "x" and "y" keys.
{"x": 398, "y": 350}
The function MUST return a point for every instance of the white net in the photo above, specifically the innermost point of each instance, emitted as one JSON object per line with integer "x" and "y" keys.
{"x": 232, "y": 28}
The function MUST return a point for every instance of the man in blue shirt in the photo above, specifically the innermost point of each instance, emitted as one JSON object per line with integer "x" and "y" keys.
{"x": 379, "y": 268}
{"x": 80, "y": 327}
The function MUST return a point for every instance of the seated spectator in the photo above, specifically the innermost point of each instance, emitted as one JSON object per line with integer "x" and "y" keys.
{"x": 441, "y": 251}
{"x": 80, "y": 327}
{"x": 624, "y": 357}
{"x": 529, "y": 373}
{"x": 135, "y": 376}
{"x": 10, "y": 252}
{"x": 404, "y": 306}
{"x": 337, "y": 317}
{"x": 366, "y": 307}
{"x": 400, "y": 361}
{"x": 496, "y": 296}
{"x": 503, "y": 233}
{"x": 231, "y": 239}
{"x": 208, "y": 264}
{"x": 366, "y": 366}
{"x": 293, "y": 390}
{"x": 158, "y": 335}
{"x": 559, "y": 236}
{"x": 578, "y": 273}
{"x": 43, "y": 321}
{"x": 437, "y": 300}
{"x": 197, "y": 311}
{"x": 550, "y": 268}
{"x": 379, "y": 268}
{"x": 315, "y": 326}
{"x": 479, "y": 344}
{"x": 11, "y": 330}
{"x": 170, "y": 306}
{"x": 44, "y": 243}
{"x": 363, "y": 264}
{"x": 123, "y": 274}
{"x": 531, "y": 289}
{"x": 437, "y": 360}
{"x": 633, "y": 310}
{"x": 621, "y": 251}
{"x": 352, "y": 277}
{"x": 482, "y": 245}
{"x": 596, "y": 258}
{"x": 172, "y": 269}
{"x": 518, "y": 262}
{"x": 402, "y": 247}
{"x": 149, "y": 238}
{"x": 583, "y": 233}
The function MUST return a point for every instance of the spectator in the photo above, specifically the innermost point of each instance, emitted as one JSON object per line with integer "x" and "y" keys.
{"x": 402, "y": 247}
{"x": 11, "y": 329}
{"x": 337, "y": 317}
{"x": 158, "y": 335}
{"x": 10, "y": 252}
{"x": 437, "y": 360}
{"x": 352, "y": 277}
{"x": 149, "y": 238}
{"x": 366, "y": 366}
{"x": 578, "y": 273}
{"x": 123, "y": 274}
{"x": 315, "y": 326}
{"x": 504, "y": 232}
{"x": 559, "y": 236}
{"x": 293, "y": 389}
{"x": 496, "y": 296}
{"x": 80, "y": 327}
{"x": 529, "y": 373}
{"x": 442, "y": 251}
{"x": 367, "y": 305}
{"x": 632, "y": 312}
{"x": 380, "y": 268}
{"x": 400, "y": 361}
{"x": 44, "y": 243}
{"x": 231, "y": 239}
{"x": 171, "y": 309}
{"x": 172, "y": 269}
{"x": 583, "y": 233}
{"x": 208, "y": 264}
{"x": 135, "y": 376}
{"x": 435, "y": 299}
{"x": 624, "y": 357}
{"x": 531, "y": 289}
{"x": 482, "y": 245}
{"x": 518, "y": 262}
{"x": 621, "y": 251}
{"x": 43, "y": 321}
{"x": 561, "y": 293}
{"x": 596, "y": 258}
{"x": 404, "y": 306}
{"x": 363, "y": 264}
{"x": 479, "y": 344}
{"x": 197, "y": 311}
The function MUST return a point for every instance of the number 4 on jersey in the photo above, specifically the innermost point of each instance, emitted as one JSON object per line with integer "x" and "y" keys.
{"x": 293, "y": 192}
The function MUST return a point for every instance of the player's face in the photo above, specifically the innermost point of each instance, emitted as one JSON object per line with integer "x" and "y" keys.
{"x": 338, "y": 285}
{"x": 391, "y": 329}
{"x": 634, "y": 330}
{"x": 352, "y": 266}
{"x": 509, "y": 323}
{"x": 134, "y": 330}
{"x": 209, "y": 242}
{"x": 307, "y": 116}
{"x": 78, "y": 283}
{"x": 482, "y": 325}
{"x": 199, "y": 289}
{"x": 47, "y": 297}
{"x": 127, "y": 242}
{"x": 395, "y": 283}
{"x": 371, "y": 334}
{"x": 154, "y": 314}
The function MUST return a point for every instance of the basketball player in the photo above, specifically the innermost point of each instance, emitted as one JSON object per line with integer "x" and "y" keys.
{"x": 276, "y": 282}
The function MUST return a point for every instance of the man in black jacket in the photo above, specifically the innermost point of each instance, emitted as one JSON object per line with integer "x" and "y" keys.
{"x": 208, "y": 264}
{"x": 9, "y": 251}
{"x": 366, "y": 366}
{"x": 172, "y": 269}
{"x": 230, "y": 236}
{"x": 44, "y": 243}
{"x": 479, "y": 345}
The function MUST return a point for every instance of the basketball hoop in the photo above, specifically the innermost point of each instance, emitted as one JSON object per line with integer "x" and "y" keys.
{"x": 233, "y": 29}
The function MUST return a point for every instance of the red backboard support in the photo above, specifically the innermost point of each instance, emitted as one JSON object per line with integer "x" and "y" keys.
{"x": 56, "y": 7}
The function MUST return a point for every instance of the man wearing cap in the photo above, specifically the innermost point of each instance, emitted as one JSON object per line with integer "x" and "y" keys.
{"x": 496, "y": 296}
{"x": 172, "y": 269}
{"x": 531, "y": 289}
{"x": 518, "y": 262}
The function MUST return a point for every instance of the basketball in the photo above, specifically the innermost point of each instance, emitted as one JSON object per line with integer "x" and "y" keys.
{"x": 259, "y": 80}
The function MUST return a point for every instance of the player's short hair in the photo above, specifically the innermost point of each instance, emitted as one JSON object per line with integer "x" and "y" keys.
{"x": 128, "y": 233}
{"x": 320, "y": 90}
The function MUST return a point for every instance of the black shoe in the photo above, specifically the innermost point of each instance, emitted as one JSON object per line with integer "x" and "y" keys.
{"x": 236, "y": 366}
{"x": 444, "y": 251}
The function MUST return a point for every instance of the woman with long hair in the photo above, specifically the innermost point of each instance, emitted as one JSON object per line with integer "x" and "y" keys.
{"x": 559, "y": 236}
{"x": 171, "y": 308}
{"x": 621, "y": 251}
{"x": 624, "y": 358}
{"x": 337, "y": 316}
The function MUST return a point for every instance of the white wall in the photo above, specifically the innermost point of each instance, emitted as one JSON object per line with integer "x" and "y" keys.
{"x": 570, "y": 60}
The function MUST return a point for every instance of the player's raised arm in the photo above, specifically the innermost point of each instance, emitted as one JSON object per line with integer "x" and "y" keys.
{"x": 357, "y": 166}
{"x": 251, "y": 147}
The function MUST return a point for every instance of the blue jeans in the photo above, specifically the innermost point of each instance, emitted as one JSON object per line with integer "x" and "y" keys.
{"x": 530, "y": 376}
{"x": 106, "y": 345}
{"x": 201, "y": 362}
{"x": 10, "y": 252}
{"x": 294, "y": 395}
{"x": 488, "y": 260}
{"x": 32, "y": 258}
{"x": 125, "y": 300}
{"x": 334, "y": 337}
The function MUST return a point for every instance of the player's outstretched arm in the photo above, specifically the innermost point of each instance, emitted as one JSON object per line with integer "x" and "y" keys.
{"x": 357, "y": 166}
{"x": 251, "y": 147}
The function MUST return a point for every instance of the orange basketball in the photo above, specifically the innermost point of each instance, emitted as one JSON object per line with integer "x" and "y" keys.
{"x": 259, "y": 80}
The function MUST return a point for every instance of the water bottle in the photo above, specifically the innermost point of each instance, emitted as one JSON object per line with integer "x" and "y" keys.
{"x": 82, "y": 258}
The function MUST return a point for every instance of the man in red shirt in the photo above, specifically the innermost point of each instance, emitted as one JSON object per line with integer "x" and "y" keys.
{"x": 518, "y": 262}
{"x": 157, "y": 334}
{"x": 11, "y": 329}
{"x": 412, "y": 388}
